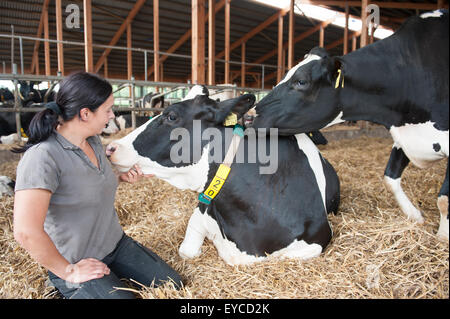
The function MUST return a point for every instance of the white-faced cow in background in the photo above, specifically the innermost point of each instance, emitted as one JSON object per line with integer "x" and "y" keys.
{"x": 283, "y": 214}
{"x": 6, "y": 186}
{"x": 123, "y": 119}
{"x": 401, "y": 82}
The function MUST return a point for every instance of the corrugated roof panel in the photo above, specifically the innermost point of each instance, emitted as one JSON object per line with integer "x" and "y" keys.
{"x": 175, "y": 21}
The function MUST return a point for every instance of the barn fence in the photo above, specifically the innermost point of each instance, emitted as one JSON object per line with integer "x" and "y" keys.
{"x": 15, "y": 76}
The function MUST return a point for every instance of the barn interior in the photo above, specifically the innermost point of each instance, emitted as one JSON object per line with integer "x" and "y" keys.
{"x": 376, "y": 251}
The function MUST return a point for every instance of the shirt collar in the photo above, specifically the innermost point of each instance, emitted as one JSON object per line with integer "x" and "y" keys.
{"x": 66, "y": 144}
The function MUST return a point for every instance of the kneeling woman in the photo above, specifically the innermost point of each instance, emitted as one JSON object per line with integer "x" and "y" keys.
{"x": 64, "y": 212}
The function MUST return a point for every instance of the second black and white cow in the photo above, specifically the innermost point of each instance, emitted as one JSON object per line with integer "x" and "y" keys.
{"x": 283, "y": 213}
{"x": 401, "y": 82}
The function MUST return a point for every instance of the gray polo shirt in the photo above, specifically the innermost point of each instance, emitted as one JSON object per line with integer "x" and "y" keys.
{"x": 81, "y": 219}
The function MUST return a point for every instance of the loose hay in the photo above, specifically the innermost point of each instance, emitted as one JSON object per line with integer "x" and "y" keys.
{"x": 376, "y": 252}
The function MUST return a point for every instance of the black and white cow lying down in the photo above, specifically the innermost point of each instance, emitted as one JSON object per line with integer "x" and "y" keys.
{"x": 401, "y": 82}
{"x": 283, "y": 214}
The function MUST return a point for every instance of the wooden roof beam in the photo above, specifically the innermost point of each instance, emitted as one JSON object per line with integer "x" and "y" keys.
{"x": 255, "y": 31}
{"x": 327, "y": 47}
{"x": 183, "y": 39}
{"x": 386, "y": 5}
{"x": 38, "y": 35}
{"x": 298, "y": 38}
{"x": 119, "y": 33}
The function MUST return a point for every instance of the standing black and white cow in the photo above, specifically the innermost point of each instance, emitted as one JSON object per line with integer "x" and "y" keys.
{"x": 150, "y": 101}
{"x": 6, "y": 96}
{"x": 29, "y": 95}
{"x": 401, "y": 82}
{"x": 283, "y": 213}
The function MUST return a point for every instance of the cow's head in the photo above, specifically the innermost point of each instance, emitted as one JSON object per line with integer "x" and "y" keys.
{"x": 305, "y": 100}
{"x": 27, "y": 91}
{"x": 153, "y": 145}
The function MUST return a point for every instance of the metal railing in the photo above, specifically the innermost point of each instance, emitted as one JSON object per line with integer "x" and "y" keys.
{"x": 37, "y": 107}
{"x": 14, "y": 76}
{"x": 13, "y": 36}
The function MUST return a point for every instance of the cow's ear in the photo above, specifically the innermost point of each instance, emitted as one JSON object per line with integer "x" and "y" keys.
{"x": 327, "y": 69}
{"x": 239, "y": 105}
{"x": 333, "y": 66}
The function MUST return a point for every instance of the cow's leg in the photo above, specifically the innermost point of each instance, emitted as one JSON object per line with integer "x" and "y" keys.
{"x": 392, "y": 178}
{"x": 195, "y": 234}
{"x": 443, "y": 208}
{"x": 301, "y": 250}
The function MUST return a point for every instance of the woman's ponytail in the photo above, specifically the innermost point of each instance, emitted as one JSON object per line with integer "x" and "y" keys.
{"x": 41, "y": 126}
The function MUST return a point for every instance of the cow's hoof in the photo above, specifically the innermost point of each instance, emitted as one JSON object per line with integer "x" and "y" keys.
{"x": 442, "y": 236}
{"x": 442, "y": 233}
{"x": 415, "y": 215}
{"x": 187, "y": 252}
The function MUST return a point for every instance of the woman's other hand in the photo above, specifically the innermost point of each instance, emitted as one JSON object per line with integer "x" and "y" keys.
{"x": 85, "y": 270}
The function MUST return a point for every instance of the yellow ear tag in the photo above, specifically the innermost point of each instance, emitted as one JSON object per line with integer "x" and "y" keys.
{"x": 231, "y": 120}
{"x": 339, "y": 79}
{"x": 23, "y": 133}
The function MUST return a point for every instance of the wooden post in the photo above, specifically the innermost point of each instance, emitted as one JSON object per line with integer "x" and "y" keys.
{"x": 354, "y": 43}
{"x": 291, "y": 36}
{"x": 322, "y": 37}
{"x": 59, "y": 36}
{"x": 185, "y": 37}
{"x": 88, "y": 57}
{"x": 372, "y": 31}
{"x": 243, "y": 65}
{"x": 212, "y": 42}
{"x": 46, "y": 44}
{"x": 280, "y": 49}
{"x": 347, "y": 9}
{"x": 364, "y": 23}
{"x": 129, "y": 53}
{"x": 156, "y": 40}
{"x": 105, "y": 69}
{"x": 38, "y": 72}
{"x": 129, "y": 58}
{"x": 35, "y": 58}
{"x": 198, "y": 42}
{"x": 227, "y": 41}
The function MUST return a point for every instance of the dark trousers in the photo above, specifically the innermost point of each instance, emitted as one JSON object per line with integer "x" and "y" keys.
{"x": 129, "y": 260}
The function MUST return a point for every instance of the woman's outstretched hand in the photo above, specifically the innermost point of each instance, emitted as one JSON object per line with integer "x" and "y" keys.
{"x": 133, "y": 175}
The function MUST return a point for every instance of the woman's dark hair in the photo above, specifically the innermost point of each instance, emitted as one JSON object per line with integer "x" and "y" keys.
{"x": 77, "y": 91}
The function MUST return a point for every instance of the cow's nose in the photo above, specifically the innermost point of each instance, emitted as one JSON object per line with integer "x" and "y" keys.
{"x": 110, "y": 149}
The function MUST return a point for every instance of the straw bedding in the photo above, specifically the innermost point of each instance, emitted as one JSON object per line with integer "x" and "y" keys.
{"x": 376, "y": 252}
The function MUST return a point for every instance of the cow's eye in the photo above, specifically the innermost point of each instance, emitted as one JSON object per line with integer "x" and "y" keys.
{"x": 301, "y": 84}
{"x": 171, "y": 117}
